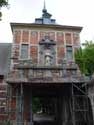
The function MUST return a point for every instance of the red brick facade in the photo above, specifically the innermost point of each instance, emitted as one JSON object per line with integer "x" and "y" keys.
{"x": 76, "y": 39}
{"x": 25, "y": 36}
{"x": 32, "y": 37}
{"x": 68, "y": 38}
{"x": 17, "y": 36}
{"x": 60, "y": 38}
{"x": 34, "y": 53}
{"x": 60, "y": 54}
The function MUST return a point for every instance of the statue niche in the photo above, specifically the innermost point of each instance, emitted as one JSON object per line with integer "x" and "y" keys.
{"x": 47, "y": 53}
{"x": 48, "y": 57}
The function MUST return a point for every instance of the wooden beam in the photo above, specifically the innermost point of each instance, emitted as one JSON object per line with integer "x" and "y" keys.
{"x": 31, "y": 112}
{"x": 22, "y": 119}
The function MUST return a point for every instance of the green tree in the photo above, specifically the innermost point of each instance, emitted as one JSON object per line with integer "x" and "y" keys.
{"x": 85, "y": 58}
{"x": 3, "y": 3}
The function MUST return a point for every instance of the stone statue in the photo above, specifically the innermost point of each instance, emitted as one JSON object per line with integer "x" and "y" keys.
{"x": 48, "y": 58}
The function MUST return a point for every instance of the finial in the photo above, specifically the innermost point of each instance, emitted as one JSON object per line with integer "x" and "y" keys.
{"x": 44, "y": 8}
{"x": 44, "y": 5}
{"x": 45, "y": 13}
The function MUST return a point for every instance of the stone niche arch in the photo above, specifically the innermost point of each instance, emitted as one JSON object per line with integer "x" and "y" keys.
{"x": 47, "y": 52}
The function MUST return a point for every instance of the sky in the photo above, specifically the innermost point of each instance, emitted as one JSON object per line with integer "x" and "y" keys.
{"x": 66, "y": 12}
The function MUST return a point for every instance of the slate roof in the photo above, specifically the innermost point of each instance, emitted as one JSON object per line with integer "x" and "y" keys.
{"x": 5, "y": 55}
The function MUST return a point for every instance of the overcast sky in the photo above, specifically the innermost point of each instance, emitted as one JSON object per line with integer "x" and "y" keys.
{"x": 66, "y": 12}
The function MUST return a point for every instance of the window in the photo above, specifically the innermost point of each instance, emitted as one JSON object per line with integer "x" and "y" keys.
{"x": 69, "y": 53}
{"x": 24, "y": 51}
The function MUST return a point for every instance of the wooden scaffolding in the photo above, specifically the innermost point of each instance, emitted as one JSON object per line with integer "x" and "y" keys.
{"x": 75, "y": 109}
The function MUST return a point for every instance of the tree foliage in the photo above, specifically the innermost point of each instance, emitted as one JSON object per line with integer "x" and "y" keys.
{"x": 85, "y": 58}
{"x": 3, "y": 3}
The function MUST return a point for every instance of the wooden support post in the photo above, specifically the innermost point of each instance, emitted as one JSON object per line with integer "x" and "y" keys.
{"x": 73, "y": 106}
{"x": 22, "y": 118}
{"x": 18, "y": 105}
{"x": 31, "y": 112}
{"x": 9, "y": 102}
{"x": 87, "y": 105}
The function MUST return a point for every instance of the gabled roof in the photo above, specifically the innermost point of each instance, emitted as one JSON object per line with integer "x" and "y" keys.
{"x": 5, "y": 54}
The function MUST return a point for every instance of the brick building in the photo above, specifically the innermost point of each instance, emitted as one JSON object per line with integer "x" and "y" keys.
{"x": 44, "y": 84}
{"x": 26, "y": 38}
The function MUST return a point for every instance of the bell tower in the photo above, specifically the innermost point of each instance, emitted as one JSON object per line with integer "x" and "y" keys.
{"x": 46, "y": 17}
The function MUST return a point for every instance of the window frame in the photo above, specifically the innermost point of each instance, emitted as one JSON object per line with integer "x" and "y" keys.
{"x": 22, "y": 55}
{"x": 68, "y": 50}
